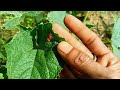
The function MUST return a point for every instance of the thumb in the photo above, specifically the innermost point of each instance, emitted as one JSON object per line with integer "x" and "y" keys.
{"x": 82, "y": 62}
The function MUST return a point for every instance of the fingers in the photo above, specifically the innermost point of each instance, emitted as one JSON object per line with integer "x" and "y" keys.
{"x": 115, "y": 67}
{"x": 77, "y": 74}
{"x": 71, "y": 39}
{"x": 82, "y": 62}
{"x": 108, "y": 59}
{"x": 89, "y": 38}
{"x": 66, "y": 74}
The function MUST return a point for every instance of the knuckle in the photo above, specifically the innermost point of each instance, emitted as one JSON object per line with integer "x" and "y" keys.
{"x": 82, "y": 59}
{"x": 91, "y": 40}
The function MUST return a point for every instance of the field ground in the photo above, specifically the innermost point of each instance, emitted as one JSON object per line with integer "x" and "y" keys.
{"x": 103, "y": 22}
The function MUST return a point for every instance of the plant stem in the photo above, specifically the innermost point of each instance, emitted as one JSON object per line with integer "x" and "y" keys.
{"x": 85, "y": 17}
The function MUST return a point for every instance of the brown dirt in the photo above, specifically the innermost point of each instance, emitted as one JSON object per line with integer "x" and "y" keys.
{"x": 103, "y": 24}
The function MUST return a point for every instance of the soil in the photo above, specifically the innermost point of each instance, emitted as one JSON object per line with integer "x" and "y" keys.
{"x": 103, "y": 22}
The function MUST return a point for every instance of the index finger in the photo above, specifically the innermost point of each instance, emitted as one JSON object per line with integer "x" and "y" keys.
{"x": 89, "y": 38}
{"x": 71, "y": 39}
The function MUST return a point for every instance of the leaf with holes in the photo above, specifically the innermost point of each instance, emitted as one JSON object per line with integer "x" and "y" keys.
{"x": 24, "y": 62}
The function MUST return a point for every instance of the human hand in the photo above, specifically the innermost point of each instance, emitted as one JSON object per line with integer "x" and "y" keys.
{"x": 79, "y": 56}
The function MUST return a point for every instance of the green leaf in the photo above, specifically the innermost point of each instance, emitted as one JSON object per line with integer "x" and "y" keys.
{"x": 24, "y": 62}
{"x": 115, "y": 17}
{"x": 1, "y": 76}
{"x": 16, "y": 13}
{"x": 19, "y": 59}
{"x": 58, "y": 17}
{"x": 43, "y": 33}
{"x": 1, "y": 55}
{"x": 31, "y": 13}
{"x": 2, "y": 42}
{"x": 90, "y": 25}
{"x": 12, "y": 23}
{"x": 116, "y": 38}
{"x": 45, "y": 66}
{"x": 37, "y": 15}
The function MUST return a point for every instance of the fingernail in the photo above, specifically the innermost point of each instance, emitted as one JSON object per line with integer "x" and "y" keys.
{"x": 65, "y": 47}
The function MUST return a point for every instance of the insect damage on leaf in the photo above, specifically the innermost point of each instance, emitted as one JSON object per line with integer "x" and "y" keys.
{"x": 49, "y": 37}
{"x": 25, "y": 61}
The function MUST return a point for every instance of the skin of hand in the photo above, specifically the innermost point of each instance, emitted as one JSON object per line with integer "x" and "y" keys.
{"x": 79, "y": 57}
